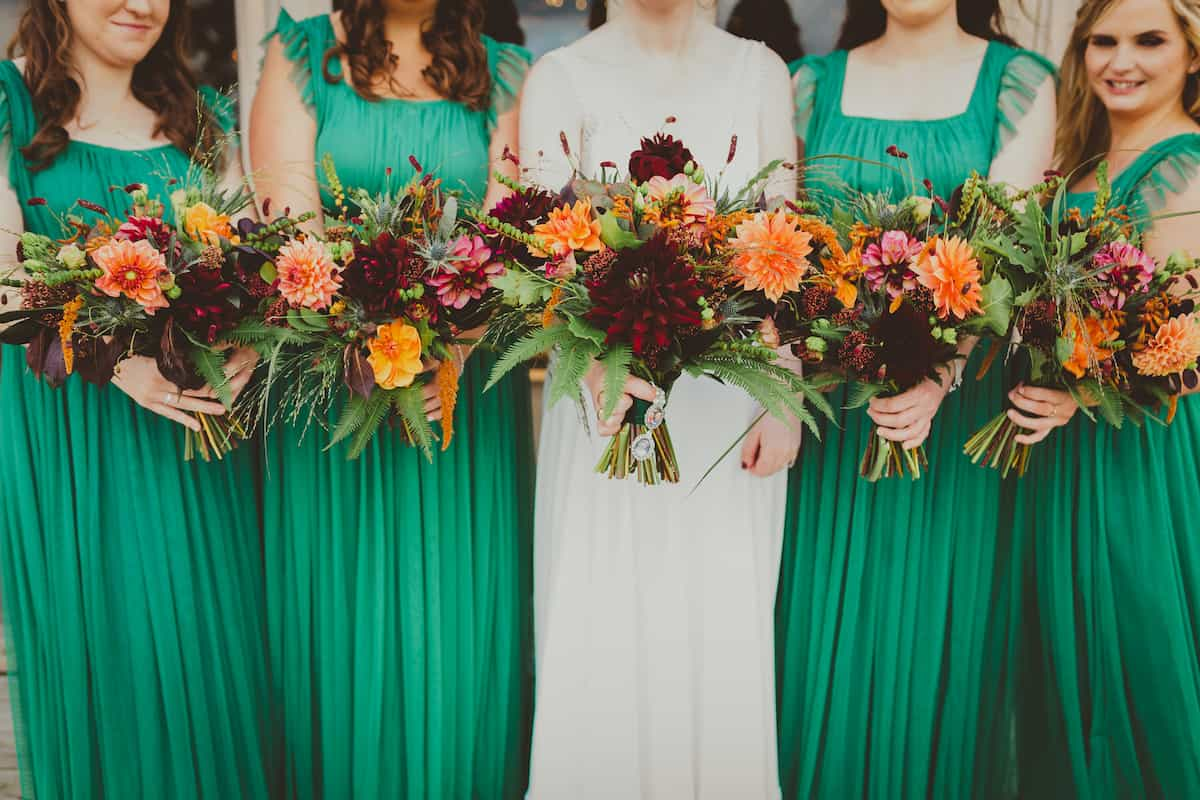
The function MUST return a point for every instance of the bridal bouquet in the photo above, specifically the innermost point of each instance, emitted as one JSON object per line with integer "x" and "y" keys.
{"x": 1096, "y": 316}
{"x": 901, "y": 287}
{"x": 140, "y": 285}
{"x": 380, "y": 307}
{"x": 653, "y": 274}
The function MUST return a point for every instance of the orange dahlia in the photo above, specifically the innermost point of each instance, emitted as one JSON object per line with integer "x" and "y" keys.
{"x": 308, "y": 278}
{"x": 1174, "y": 348}
{"x": 133, "y": 269}
{"x": 204, "y": 224}
{"x": 395, "y": 355}
{"x": 569, "y": 228}
{"x": 949, "y": 269}
{"x": 771, "y": 253}
{"x": 1090, "y": 338}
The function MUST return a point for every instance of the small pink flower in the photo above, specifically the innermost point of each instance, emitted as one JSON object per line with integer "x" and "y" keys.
{"x": 890, "y": 261}
{"x": 1126, "y": 271}
{"x": 684, "y": 197}
{"x": 471, "y": 274}
{"x": 308, "y": 278}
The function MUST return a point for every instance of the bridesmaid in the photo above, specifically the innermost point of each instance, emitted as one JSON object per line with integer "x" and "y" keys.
{"x": 1114, "y": 553}
{"x": 399, "y": 590}
{"x": 132, "y": 579}
{"x": 893, "y": 617}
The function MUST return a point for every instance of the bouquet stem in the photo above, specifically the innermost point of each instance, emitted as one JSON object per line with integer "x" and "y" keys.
{"x": 995, "y": 445}
{"x": 217, "y": 437}
{"x": 642, "y": 447}
{"x": 887, "y": 459}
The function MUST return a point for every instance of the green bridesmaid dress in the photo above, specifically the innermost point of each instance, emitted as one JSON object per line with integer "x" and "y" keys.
{"x": 398, "y": 590}
{"x": 132, "y": 579}
{"x": 895, "y": 598}
{"x": 1113, "y": 706}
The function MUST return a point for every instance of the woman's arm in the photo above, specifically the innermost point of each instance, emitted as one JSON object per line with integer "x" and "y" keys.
{"x": 549, "y": 112}
{"x": 502, "y": 154}
{"x": 282, "y": 142}
{"x": 1023, "y": 161}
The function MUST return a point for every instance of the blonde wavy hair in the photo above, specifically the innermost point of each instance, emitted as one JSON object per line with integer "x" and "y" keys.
{"x": 1083, "y": 131}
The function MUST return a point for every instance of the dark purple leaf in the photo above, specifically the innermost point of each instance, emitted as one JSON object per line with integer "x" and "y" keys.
{"x": 357, "y": 372}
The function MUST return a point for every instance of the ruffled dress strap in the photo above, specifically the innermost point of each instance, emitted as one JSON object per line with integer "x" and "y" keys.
{"x": 807, "y": 76}
{"x": 305, "y": 43}
{"x": 508, "y": 64}
{"x": 1022, "y": 75}
{"x": 18, "y": 124}
{"x": 1168, "y": 168}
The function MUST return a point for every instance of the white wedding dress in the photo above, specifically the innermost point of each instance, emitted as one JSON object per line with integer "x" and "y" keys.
{"x": 655, "y": 609}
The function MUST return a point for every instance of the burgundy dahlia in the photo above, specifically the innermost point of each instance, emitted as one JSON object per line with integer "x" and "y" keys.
{"x": 907, "y": 347}
{"x": 663, "y": 155}
{"x": 152, "y": 229}
{"x": 523, "y": 210}
{"x": 647, "y": 297}
{"x": 208, "y": 305}
{"x": 380, "y": 271}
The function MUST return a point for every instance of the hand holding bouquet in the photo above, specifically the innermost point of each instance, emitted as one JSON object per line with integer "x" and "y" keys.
{"x": 139, "y": 285}
{"x": 901, "y": 289}
{"x": 381, "y": 307}
{"x": 1096, "y": 317}
{"x": 653, "y": 275}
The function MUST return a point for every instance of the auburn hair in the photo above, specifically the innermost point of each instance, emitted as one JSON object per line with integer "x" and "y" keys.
{"x": 866, "y": 20}
{"x": 1083, "y": 130}
{"x": 458, "y": 72}
{"x": 162, "y": 81}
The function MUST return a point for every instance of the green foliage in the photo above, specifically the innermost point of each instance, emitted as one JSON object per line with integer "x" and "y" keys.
{"x": 860, "y": 394}
{"x": 574, "y": 359}
{"x": 997, "y": 306}
{"x": 617, "y": 362}
{"x": 533, "y": 344}
{"x": 210, "y": 364}
{"x": 410, "y": 405}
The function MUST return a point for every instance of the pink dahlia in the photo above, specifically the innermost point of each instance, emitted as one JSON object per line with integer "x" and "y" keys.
{"x": 471, "y": 274}
{"x": 682, "y": 198}
{"x": 1126, "y": 270}
{"x": 890, "y": 262}
{"x": 308, "y": 278}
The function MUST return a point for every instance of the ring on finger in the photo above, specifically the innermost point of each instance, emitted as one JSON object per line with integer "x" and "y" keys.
{"x": 169, "y": 399}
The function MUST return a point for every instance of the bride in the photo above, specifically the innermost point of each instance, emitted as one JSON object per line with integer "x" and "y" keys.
{"x": 654, "y": 609}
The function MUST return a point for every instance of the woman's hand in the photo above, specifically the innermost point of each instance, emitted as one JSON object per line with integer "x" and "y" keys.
{"x": 239, "y": 368}
{"x": 634, "y": 388}
{"x": 908, "y": 417}
{"x": 1046, "y": 409}
{"x": 771, "y": 445}
{"x": 138, "y": 377}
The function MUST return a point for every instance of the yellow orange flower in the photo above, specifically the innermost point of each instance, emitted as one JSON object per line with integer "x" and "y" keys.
{"x": 1174, "y": 348}
{"x": 948, "y": 268}
{"x": 132, "y": 269}
{"x": 1090, "y": 337}
{"x": 395, "y": 355}
{"x": 204, "y": 224}
{"x": 308, "y": 278}
{"x": 569, "y": 228}
{"x": 771, "y": 253}
{"x": 66, "y": 331}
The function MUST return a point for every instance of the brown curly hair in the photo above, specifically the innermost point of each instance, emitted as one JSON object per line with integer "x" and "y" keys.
{"x": 162, "y": 81}
{"x": 459, "y": 70}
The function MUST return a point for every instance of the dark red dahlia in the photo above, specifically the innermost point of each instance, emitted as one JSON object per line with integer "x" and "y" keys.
{"x": 663, "y": 155}
{"x": 907, "y": 347}
{"x": 209, "y": 306}
{"x": 152, "y": 229}
{"x": 859, "y": 354}
{"x": 380, "y": 271}
{"x": 647, "y": 297}
{"x": 523, "y": 210}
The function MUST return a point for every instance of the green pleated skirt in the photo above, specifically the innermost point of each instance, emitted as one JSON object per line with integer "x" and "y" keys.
{"x": 895, "y": 619}
{"x": 1112, "y": 708}
{"x": 133, "y": 600}
{"x": 399, "y": 596}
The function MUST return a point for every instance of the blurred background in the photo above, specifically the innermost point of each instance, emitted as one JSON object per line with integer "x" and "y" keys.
{"x": 543, "y": 25}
